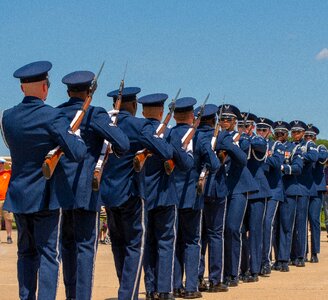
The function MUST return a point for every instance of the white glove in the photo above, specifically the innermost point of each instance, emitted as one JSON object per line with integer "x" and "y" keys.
{"x": 189, "y": 147}
{"x": 78, "y": 132}
{"x": 113, "y": 114}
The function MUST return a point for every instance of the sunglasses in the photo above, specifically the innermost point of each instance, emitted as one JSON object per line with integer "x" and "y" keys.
{"x": 279, "y": 133}
{"x": 226, "y": 119}
{"x": 243, "y": 126}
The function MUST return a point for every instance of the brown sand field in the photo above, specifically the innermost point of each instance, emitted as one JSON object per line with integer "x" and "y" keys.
{"x": 310, "y": 282}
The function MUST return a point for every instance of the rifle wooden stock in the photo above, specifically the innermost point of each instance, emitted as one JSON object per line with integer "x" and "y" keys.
{"x": 50, "y": 163}
{"x": 169, "y": 166}
{"x": 202, "y": 181}
{"x": 204, "y": 173}
{"x": 140, "y": 159}
{"x": 97, "y": 173}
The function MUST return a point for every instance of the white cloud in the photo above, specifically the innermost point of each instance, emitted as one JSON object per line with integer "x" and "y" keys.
{"x": 323, "y": 54}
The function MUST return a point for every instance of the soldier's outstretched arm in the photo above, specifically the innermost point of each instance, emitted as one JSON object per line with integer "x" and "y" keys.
{"x": 154, "y": 143}
{"x": 277, "y": 158}
{"x": 208, "y": 155}
{"x": 259, "y": 144}
{"x": 183, "y": 159}
{"x": 311, "y": 155}
{"x": 72, "y": 144}
{"x": 296, "y": 166}
{"x": 235, "y": 152}
{"x": 103, "y": 125}
{"x": 322, "y": 154}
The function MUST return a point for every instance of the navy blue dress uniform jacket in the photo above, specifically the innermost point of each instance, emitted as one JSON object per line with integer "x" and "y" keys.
{"x": 204, "y": 155}
{"x": 31, "y": 129}
{"x": 318, "y": 169}
{"x": 310, "y": 157}
{"x": 256, "y": 165}
{"x": 119, "y": 180}
{"x": 184, "y": 179}
{"x": 160, "y": 189}
{"x": 75, "y": 179}
{"x": 240, "y": 179}
{"x": 292, "y": 167}
{"x": 273, "y": 173}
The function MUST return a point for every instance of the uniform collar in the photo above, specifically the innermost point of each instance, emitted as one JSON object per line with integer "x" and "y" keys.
{"x": 154, "y": 121}
{"x": 182, "y": 124}
{"x": 29, "y": 99}
{"x": 205, "y": 127}
{"x": 125, "y": 112}
{"x": 75, "y": 100}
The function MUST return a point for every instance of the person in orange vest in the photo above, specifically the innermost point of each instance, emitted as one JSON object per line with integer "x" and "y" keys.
{"x": 4, "y": 181}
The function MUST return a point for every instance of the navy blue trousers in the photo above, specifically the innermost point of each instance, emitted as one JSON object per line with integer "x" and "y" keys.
{"x": 39, "y": 244}
{"x": 188, "y": 247}
{"x": 236, "y": 208}
{"x": 255, "y": 218}
{"x": 160, "y": 249}
{"x": 299, "y": 243}
{"x": 287, "y": 213}
{"x": 127, "y": 225}
{"x": 314, "y": 220}
{"x": 212, "y": 236}
{"x": 269, "y": 219}
{"x": 79, "y": 247}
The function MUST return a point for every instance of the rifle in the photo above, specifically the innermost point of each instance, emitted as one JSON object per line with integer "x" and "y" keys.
{"x": 53, "y": 157}
{"x": 204, "y": 173}
{"x": 169, "y": 165}
{"x": 107, "y": 147}
{"x": 141, "y": 156}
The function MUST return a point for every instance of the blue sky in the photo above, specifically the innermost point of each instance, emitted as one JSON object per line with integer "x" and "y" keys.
{"x": 269, "y": 57}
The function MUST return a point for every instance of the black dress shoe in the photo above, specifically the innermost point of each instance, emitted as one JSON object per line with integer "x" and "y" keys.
{"x": 219, "y": 287}
{"x": 179, "y": 293}
{"x": 163, "y": 296}
{"x": 151, "y": 296}
{"x": 265, "y": 271}
{"x": 276, "y": 266}
{"x": 193, "y": 295}
{"x": 293, "y": 262}
{"x": 300, "y": 262}
{"x": 284, "y": 267}
{"x": 314, "y": 258}
{"x": 202, "y": 285}
{"x": 233, "y": 281}
{"x": 252, "y": 278}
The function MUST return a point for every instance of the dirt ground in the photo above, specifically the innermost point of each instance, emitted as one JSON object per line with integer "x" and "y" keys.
{"x": 310, "y": 282}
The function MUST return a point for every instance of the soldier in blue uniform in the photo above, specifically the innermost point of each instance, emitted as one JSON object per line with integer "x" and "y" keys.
{"x": 258, "y": 149}
{"x": 316, "y": 201}
{"x": 215, "y": 204}
{"x": 123, "y": 192}
{"x": 239, "y": 182}
{"x": 274, "y": 160}
{"x": 161, "y": 198}
{"x": 81, "y": 215}
{"x": 308, "y": 189}
{"x": 285, "y": 219}
{"x": 39, "y": 128}
{"x": 189, "y": 213}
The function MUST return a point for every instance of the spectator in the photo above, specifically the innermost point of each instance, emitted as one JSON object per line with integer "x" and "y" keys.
{"x": 4, "y": 181}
